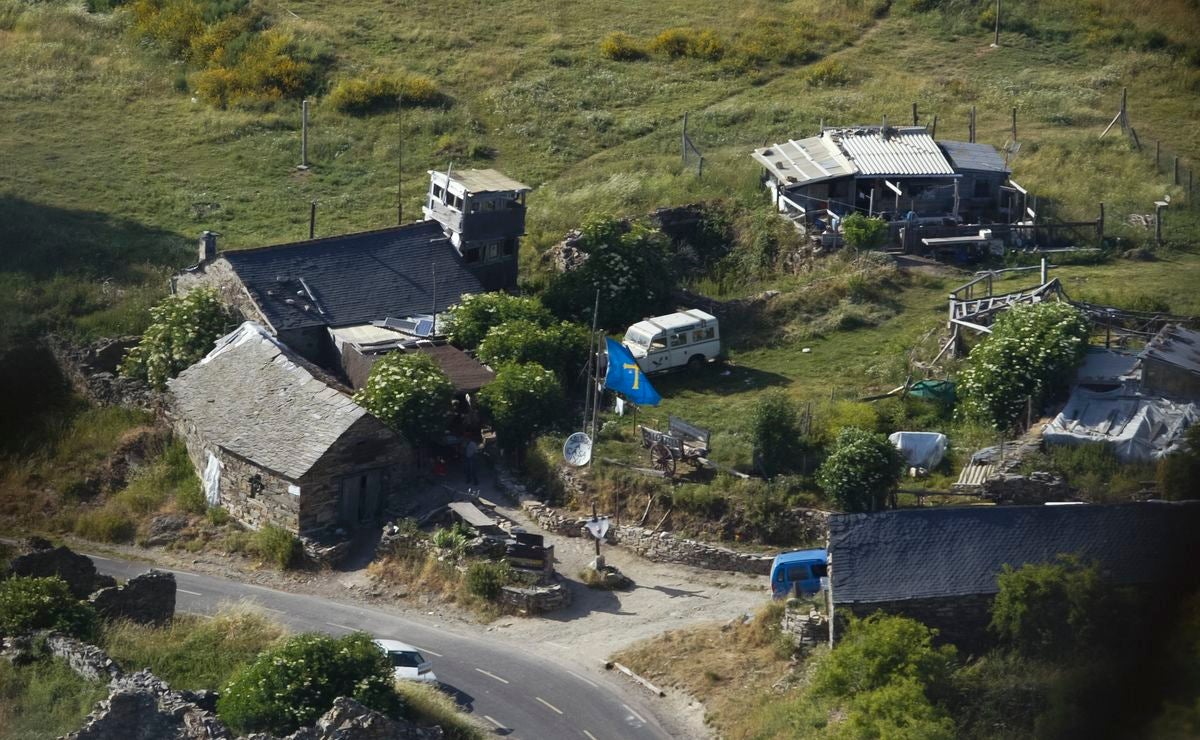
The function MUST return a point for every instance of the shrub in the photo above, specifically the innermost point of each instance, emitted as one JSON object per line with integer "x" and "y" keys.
{"x": 450, "y": 539}
{"x": 1031, "y": 354}
{"x": 861, "y": 232}
{"x": 689, "y": 42}
{"x": 290, "y": 686}
{"x": 775, "y": 429}
{"x": 562, "y": 347}
{"x": 1178, "y": 472}
{"x": 829, "y": 73}
{"x": 523, "y": 400}
{"x": 169, "y": 24}
{"x": 361, "y": 95}
{"x": 861, "y": 471}
{"x": 268, "y": 68}
{"x": 899, "y": 709}
{"x": 881, "y": 649}
{"x": 45, "y": 698}
{"x": 468, "y": 322}
{"x": 277, "y": 545}
{"x": 621, "y": 47}
{"x": 111, "y": 523}
{"x": 485, "y": 579}
{"x": 183, "y": 330}
{"x": 1049, "y": 609}
{"x": 28, "y": 604}
{"x": 409, "y": 393}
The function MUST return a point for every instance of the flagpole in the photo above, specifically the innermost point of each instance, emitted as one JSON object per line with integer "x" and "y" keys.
{"x": 593, "y": 376}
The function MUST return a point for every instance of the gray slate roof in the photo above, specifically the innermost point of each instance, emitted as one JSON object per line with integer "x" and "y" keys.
{"x": 355, "y": 278}
{"x": 1177, "y": 346}
{"x": 253, "y": 398}
{"x": 955, "y": 551}
{"x": 964, "y": 155}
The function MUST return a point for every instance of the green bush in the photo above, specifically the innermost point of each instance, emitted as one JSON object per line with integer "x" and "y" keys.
{"x": 562, "y": 347}
{"x": 485, "y": 579}
{"x": 183, "y": 330}
{"x": 861, "y": 471}
{"x": 1050, "y": 609}
{"x": 775, "y": 429}
{"x": 881, "y": 649}
{"x": 689, "y": 42}
{"x": 829, "y": 73}
{"x": 111, "y": 523}
{"x": 410, "y": 393}
{"x": 361, "y": 95}
{"x": 290, "y": 686}
{"x": 468, "y": 322}
{"x": 621, "y": 47}
{"x": 278, "y": 546}
{"x": 450, "y": 539}
{"x": 28, "y": 604}
{"x": 861, "y": 232}
{"x": 523, "y": 400}
{"x": 426, "y": 705}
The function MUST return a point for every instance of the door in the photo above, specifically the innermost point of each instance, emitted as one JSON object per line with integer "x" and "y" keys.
{"x": 361, "y": 497}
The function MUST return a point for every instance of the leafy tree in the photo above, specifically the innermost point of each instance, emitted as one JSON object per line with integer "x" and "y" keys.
{"x": 1032, "y": 352}
{"x": 775, "y": 430}
{"x": 1178, "y": 472}
{"x": 183, "y": 329}
{"x": 28, "y": 604}
{"x": 409, "y": 393}
{"x": 880, "y": 650}
{"x": 523, "y": 400}
{"x": 290, "y": 686}
{"x": 468, "y": 322}
{"x": 562, "y": 347}
{"x": 861, "y": 471}
{"x": 631, "y": 267}
{"x": 862, "y": 232}
{"x": 485, "y": 579}
{"x": 899, "y": 710}
{"x": 1050, "y": 608}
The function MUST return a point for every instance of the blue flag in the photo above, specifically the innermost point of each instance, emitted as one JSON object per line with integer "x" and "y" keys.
{"x": 625, "y": 377}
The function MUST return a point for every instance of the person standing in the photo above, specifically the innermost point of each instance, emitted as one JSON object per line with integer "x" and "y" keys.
{"x": 471, "y": 456}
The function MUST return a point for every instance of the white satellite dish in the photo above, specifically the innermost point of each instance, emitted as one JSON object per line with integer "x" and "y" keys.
{"x": 577, "y": 450}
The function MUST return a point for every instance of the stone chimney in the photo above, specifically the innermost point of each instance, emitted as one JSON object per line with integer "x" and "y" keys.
{"x": 208, "y": 245}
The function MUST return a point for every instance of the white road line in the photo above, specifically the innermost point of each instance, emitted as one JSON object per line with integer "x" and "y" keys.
{"x": 548, "y": 704}
{"x": 341, "y": 626}
{"x": 587, "y": 681}
{"x": 494, "y": 722}
{"x": 277, "y": 611}
{"x": 493, "y": 675}
{"x": 185, "y": 591}
{"x": 97, "y": 557}
{"x": 639, "y": 717}
{"x": 590, "y": 735}
{"x": 427, "y": 650}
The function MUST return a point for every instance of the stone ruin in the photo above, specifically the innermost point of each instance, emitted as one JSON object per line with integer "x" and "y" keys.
{"x": 145, "y": 599}
{"x": 42, "y": 559}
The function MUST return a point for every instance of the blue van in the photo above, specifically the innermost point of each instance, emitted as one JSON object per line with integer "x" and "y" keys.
{"x": 797, "y": 573}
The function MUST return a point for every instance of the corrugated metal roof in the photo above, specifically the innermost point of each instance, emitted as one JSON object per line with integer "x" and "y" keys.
{"x": 1177, "y": 346}
{"x": 907, "y": 151}
{"x": 483, "y": 181}
{"x": 964, "y": 155}
{"x": 806, "y": 161}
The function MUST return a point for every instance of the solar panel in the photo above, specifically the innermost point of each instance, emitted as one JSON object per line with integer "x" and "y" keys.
{"x": 415, "y": 327}
{"x": 424, "y": 328}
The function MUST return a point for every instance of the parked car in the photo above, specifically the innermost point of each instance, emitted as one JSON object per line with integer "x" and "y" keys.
{"x": 798, "y": 573}
{"x": 685, "y": 339}
{"x": 407, "y": 662}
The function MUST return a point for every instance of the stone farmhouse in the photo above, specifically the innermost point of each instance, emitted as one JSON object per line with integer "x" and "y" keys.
{"x": 277, "y": 441}
{"x": 939, "y": 565}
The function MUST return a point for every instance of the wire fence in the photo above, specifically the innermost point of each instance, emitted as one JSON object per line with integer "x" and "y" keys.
{"x": 1177, "y": 171}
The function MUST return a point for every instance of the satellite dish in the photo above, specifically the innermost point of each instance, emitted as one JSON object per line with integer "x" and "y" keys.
{"x": 577, "y": 450}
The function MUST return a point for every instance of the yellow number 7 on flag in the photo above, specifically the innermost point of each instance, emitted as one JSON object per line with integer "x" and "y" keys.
{"x": 635, "y": 369}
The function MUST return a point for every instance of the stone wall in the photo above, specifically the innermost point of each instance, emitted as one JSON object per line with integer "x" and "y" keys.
{"x": 962, "y": 620}
{"x": 92, "y": 372}
{"x": 145, "y": 599}
{"x": 808, "y": 627}
{"x": 1035, "y": 488}
{"x": 87, "y": 660}
{"x": 535, "y": 599}
{"x": 219, "y": 274}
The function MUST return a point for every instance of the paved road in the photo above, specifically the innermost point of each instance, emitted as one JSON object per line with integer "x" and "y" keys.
{"x": 518, "y": 694}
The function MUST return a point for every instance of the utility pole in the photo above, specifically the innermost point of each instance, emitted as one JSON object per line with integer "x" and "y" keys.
{"x": 594, "y": 382}
{"x": 304, "y": 134}
{"x": 996, "y": 42}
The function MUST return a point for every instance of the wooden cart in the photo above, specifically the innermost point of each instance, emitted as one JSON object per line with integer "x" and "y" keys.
{"x": 681, "y": 441}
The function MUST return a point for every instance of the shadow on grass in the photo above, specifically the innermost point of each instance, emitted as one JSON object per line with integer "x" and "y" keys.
{"x": 722, "y": 379}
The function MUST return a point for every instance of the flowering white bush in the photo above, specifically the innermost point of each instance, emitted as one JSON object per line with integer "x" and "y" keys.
{"x": 1032, "y": 352}
{"x": 182, "y": 331}
{"x": 409, "y": 393}
{"x": 523, "y": 400}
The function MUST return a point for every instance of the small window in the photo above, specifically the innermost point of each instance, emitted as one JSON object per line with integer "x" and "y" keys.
{"x": 798, "y": 573}
{"x": 493, "y": 250}
{"x": 406, "y": 659}
{"x": 471, "y": 254}
{"x": 439, "y": 193}
{"x": 680, "y": 339}
{"x": 702, "y": 335}
{"x": 658, "y": 343}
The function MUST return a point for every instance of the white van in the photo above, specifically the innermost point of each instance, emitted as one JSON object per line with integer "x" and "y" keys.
{"x": 685, "y": 339}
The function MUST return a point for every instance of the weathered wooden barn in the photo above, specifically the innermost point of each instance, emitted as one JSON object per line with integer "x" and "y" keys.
{"x": 897, "y": 173}
{"x": 276, "y": 441}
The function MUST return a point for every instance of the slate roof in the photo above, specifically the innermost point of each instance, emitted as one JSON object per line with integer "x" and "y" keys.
{"x": 355, "y": 278}
{"x": 964, "y": 155}
{"x": 252, "y": 397}
{"x": 956, "y": 551}
{"x": 1176, "y": 346}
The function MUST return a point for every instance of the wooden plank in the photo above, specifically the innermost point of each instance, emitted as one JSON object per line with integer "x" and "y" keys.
{"x": 471, "y": 514}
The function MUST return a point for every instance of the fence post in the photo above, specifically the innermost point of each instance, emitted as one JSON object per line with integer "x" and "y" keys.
{"x": 1100, "y": 226}
{"x": 1157, "y": 149}
{"x": 304, "y": 134}
{"x": 914, "y": 114}
{"x": 1175, "y": 167}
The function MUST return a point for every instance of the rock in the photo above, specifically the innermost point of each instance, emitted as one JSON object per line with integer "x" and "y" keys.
{"x": 349, "y": 720}
{"x": 165, "y": 529}
{"x": 141, "y": 706}
{"x": 146, "y": 599}
{"x": 77, "y": 570}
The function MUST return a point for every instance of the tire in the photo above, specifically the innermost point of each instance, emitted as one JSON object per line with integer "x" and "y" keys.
{"x": 695, "y": 362}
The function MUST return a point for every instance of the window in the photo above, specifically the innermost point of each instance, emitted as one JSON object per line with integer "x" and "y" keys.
{"x": 471, "y": 254}
{"x": 510, "y": 247}
{"x": 702, "y": 335}
{"x": 658, "y": 343}
{"x": 406, "y": 659}
{"x": 798, "y": 573}
{"x": 680, "y": 339}
{"x": 489, "y": 204}
{"x": 820, "y": 570}
{"x": 439, "y": 193}
{"x": 493, "y": 249}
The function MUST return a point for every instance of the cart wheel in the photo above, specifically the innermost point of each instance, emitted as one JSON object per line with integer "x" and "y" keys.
{"x": 662, "y": 459}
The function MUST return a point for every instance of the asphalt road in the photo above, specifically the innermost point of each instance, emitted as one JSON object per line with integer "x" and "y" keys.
{"x": 515, "y": 692}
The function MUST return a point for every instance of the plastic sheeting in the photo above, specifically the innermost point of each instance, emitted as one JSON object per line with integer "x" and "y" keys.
{"x": 920, "y": 449}
{"x": 212, "y": 481}
{"x": 1138, "y": 427}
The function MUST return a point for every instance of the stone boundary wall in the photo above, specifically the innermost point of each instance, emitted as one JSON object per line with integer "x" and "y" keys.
{"x": 87, "y": 660}
{"x": 535, "y": 600}
{"x": 805, "y": 628}
{"x": 92, "y": 372}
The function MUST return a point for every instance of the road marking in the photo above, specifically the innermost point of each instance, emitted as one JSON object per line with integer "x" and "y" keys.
{"x": 493, "y": 675}
{"x": 97, "y": 557}
{"x": 590, "y": 735}
{"x": 427, "y": 650}
{"x": 185, "y": 591}
{"x": 341, "y": 626}
{"x": 637, "y": 716}
{"x": 494, "y": 722}
{"x": 277, "y": 611}
{"x": 548, "y": 704}
{"x": 587, "y": 681}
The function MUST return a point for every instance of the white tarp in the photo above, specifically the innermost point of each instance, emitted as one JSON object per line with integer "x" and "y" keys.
{"x": 920, "y": 449}
{"x": 212, "y": 481}
{"x": 1138, "y": 427}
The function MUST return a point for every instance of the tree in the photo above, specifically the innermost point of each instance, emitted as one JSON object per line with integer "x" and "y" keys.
{"x": 290, "y": 686}
{"x": 775, "y": 430}
{"x": 1178, "y": 472}
{"x": 861, "y": 471}
{"x": 862, "y": 232}
{"x": 881, "y": 649}
{"x": 562, "y": 347}
{"x": 631, "y": 267}
{"x": 468, "y": 322}
{"x": 523, "y": 400}
{"x": 409, "y": 393}
{"x": 898, "y": 710}
{"x": 1031, "y": 354}
{"x": 28, "y": 604}
{"x": 1050, "y": 609}
{"x": 183, "y": 329}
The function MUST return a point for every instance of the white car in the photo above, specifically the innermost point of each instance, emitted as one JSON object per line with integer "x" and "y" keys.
{"x": 685, "y": 339}
{"x": 407, "y": 662}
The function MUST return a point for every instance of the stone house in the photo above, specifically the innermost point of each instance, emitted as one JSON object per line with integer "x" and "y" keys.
{"x": 276, "y": 441}
{"x": 939, "y": 565}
